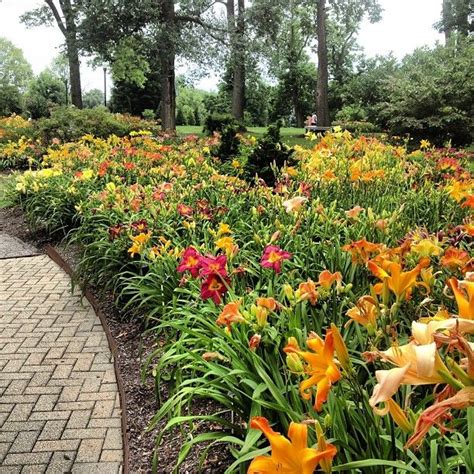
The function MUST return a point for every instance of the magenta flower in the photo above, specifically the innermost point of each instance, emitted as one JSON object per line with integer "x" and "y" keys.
{"x": 273, "y": 256}
{"x": 190, "y": 262}
{"x": 210, "y": 265}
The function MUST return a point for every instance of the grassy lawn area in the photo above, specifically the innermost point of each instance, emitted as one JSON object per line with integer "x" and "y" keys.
{"x": 5, "y": 180}
{"x": 290, "y": 136}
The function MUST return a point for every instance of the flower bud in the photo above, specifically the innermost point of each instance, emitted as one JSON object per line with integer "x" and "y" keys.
{"x": 254, "y": 341}
{"x": 341, "y": 349}
{"x": 288, "y": 291}
{"x": 294, "y": 363}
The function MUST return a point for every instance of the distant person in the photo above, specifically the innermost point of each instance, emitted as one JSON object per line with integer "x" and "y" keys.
{"x": 309, "y": 121}
{"x": 314, "y": 119}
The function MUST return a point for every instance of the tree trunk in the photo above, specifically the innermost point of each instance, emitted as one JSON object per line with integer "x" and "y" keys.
{"x": 447, "y": 16}
{"x": 74, "y": 73}
{"x": 237, "y": 39}
{"x": 167, "y": 59}
{"x": 322, "y": 105}
{"x": 69, "y": 30}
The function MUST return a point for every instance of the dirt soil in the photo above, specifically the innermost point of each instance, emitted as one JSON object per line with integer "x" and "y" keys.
{"x": 134, "y": 346}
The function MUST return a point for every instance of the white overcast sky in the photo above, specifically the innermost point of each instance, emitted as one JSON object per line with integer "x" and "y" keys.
{"x": 406, "y": 24}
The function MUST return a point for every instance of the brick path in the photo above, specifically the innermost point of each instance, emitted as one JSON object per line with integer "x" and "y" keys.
{"x": 59, "y": 404}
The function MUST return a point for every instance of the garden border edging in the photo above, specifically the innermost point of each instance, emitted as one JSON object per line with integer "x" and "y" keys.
{"x": 57, "y": 258}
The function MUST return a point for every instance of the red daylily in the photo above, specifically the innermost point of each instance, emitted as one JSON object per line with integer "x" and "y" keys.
{"x": 185, "y": 210}
{"x": 214, "y": 287}
{"x": 273, "y": 256}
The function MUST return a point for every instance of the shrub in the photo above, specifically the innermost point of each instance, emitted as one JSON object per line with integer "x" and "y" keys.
{"x": 217, "y": 123}
{"x": 269, "y": 153}
{"x": 229, "y": 145}
{"x": 69, "y": 123}
{"x": 358, "y": 127}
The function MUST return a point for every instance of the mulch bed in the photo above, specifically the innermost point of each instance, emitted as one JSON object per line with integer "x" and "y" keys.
{"x": 134, "y": 346}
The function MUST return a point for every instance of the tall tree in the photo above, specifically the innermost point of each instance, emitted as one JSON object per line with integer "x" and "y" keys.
{"x": 65, "y": 14}
{"x": 168, "y": 58}
{"x": 133, "y": 34}
{"x": 457, "y": 16}
{"x": 237, "y": 42}
{"x": 322, "y": 105}
{"x": 15, "y": 73}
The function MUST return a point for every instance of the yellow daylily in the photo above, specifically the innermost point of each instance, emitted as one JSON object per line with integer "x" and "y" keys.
{"x": 426, "y": 248}
{"x": 289, "y": 456}
{"x": 139, "y": 242}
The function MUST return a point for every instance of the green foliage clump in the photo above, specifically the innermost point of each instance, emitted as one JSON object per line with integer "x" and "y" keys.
{"x": 269, "y": 154}
{"x": 229, "y": 145}
{"x": 69, "y": 123}
{"x": 357, "y": 127}
{"x": 218, "y": 122}
{"x": 45, "y": 92}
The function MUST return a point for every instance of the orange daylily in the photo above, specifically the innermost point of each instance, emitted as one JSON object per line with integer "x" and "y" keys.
{"x": 268, "y": 303}
{"x": 434, "y": 414}
{"x": 398, "y": 281}
{"x": 454, "y": 258}
{"x": 361, "y": 250}
{"x": 289, "y": 456}
{"x": 230, "y": 314}
{"x": 365, "y": 312}
{"x": 321, "y": 366}
{"x": 464, "y": 293}
{"x": 326, "y": 278}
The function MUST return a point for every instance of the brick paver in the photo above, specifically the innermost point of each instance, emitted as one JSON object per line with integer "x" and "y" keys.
{"x": 59, "y": 403}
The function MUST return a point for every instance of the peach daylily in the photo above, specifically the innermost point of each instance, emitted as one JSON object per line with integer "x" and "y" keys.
{"x": 398, "y": 281}
{"x": 416, "y": 365}
{"x": 464, "y": 293}
{"x": 294, "y": 204}
{"x": 424, "y": 332}
{"x": 307, "y": 292}
{"x": 289, "y": 456}
{"x": 321, "y": 366}
{"x": 354, "y": 212}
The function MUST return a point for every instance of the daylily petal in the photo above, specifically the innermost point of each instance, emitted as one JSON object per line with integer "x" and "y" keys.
{"x": 425, "y": 359}
{"x": 388, "y": 383}
{"x": 262, "y": 465}
{"x": 298, "y": 435}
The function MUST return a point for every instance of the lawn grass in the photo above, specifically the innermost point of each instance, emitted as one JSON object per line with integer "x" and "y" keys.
{"x": 5, "y": 182}
{"x": 290, "y": 136}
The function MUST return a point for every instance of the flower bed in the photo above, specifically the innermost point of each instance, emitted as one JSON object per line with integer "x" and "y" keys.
{"x": 336, "y": 306}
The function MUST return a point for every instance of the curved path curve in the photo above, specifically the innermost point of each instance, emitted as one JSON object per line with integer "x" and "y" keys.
{"x": 59, "y": 400}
